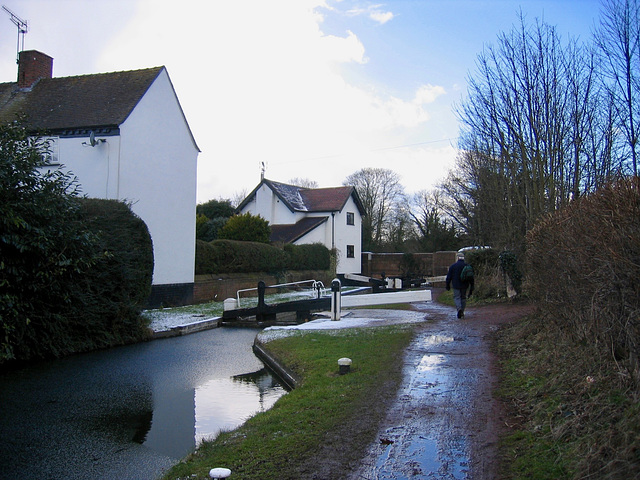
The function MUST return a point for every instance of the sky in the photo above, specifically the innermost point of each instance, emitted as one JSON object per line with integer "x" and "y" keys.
{"x": 312, "y": 89}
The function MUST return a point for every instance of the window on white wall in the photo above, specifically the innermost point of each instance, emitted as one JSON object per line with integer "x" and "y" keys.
{"x": 350, "y": 218}
{"x": 51, "y": 156}
{"x": 350, "y": 251}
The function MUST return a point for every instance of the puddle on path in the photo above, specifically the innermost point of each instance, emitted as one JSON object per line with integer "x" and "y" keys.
{"x": 430, "y": 340}
{"x": 424, "y": 435}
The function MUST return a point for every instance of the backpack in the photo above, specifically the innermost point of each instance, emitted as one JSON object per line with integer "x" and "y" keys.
{"x": 466, "y": 274}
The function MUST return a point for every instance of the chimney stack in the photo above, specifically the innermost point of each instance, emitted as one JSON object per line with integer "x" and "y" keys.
{"x": 32, "y": 66}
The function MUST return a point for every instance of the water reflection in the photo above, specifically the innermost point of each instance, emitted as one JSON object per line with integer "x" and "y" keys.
{"x": 430, "y": 362}
{"x": 129, "y": 412}
{"x": 431, "y": 340}
{"x": 224, "y": 404}
{"x": 181, "y": 420}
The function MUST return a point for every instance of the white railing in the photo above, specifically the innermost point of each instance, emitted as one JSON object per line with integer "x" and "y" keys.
{"x": 316, "y": 286}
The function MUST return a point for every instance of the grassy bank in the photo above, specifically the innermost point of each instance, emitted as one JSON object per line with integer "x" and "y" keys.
{"x": 323, "y": 425}
{"x": 575, "y": 413}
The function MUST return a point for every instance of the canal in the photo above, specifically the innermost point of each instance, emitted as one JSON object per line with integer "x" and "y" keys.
{"x": 129, "y": 412}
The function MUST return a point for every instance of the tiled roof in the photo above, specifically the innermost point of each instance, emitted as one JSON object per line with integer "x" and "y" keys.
{"x": 300, "y": 199}
{"x": 326, "y": 199}
{"x": 291, "y": 233}
{"x": 104, "y": 99}
{"x": 290, "y": 194}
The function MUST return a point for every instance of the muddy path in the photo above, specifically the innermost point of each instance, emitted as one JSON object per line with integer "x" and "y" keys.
{"x": 444, "y": 422}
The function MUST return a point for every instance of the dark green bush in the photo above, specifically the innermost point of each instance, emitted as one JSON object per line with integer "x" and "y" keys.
{"x": 314, "y": 256}
{"x": 215, "y": 209}
{"x": 102, "y": 303}
{"x": 205, "y": 258}
{"x": 114, "y": 291}
{"x": 44, "y": 246}
{"x": 208, "y": 230}
{"x": 232, "y": 256}
{"x": 246, "y": 228}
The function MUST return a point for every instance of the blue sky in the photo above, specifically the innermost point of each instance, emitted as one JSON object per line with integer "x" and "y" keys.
{"x": 316, "y": 89}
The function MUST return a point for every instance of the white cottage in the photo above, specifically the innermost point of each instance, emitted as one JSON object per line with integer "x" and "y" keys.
{"x": 124, "y": 136}
{"x": 331, "y": 216}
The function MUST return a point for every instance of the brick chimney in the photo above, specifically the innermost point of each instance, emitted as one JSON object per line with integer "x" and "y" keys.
{"x": 32, "y": 66}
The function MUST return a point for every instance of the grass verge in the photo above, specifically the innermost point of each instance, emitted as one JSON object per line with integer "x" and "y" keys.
{"x": 576, "y": 414}
{"x": 322, "y": 426}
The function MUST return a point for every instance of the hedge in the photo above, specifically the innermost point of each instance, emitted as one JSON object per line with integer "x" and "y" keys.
{"x": 233, "y": 256}
{"x": 103, "y": 302}
{"x": 313, "y": 256}
{"x": 583, "y": 266}
{"x": 117, "y": 287}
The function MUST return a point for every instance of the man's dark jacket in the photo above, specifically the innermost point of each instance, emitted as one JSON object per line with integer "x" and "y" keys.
{"x": 453, "y": 277}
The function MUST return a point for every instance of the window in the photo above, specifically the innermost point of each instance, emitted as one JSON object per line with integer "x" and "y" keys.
{"x": 350, "y": 218}
{"x": 52, "y": 153}
{"x": 350, "y": 251}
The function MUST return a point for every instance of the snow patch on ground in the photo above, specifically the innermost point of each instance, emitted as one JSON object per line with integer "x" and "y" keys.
{"x": 166, "y": 319}
{"x": 350, "y": 319}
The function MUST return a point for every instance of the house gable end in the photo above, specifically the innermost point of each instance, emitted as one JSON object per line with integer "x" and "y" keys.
{"x": 175, "y": 97}
{"x": 280, "y": 190}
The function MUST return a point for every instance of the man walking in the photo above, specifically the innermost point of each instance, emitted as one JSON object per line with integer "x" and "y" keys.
{"x": 460, "y": 283}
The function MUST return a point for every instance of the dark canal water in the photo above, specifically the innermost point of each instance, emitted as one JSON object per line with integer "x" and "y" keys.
{"x": 129, "y": 412}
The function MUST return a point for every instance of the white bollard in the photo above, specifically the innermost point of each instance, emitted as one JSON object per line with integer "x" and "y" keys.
{"x": 344, "y": 364}
{"x": 219, "y": 472}
{"x": 229, "y": 304}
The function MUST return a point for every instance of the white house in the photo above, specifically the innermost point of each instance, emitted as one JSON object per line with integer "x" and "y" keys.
{"x": 331, "y": 216}
{"x": 124, "y": 136}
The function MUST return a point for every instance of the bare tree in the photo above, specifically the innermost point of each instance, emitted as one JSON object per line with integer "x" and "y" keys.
{"x": 536, "y": 133}
{"x": 303, "y": 182}
{"x": 618, "y": 40}
{"x": 238, "y": 197}
{"x": 435, "y": 229}
{"x": 382, "y": 195}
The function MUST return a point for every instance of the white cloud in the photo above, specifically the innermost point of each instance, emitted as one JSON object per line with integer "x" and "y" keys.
{"x": 341, "y": 49}
{"x": 380, "y": 16}
{"x": 260, "y": 81}
{"x": 428, "y": 94}
{"x": 374, "y": 12}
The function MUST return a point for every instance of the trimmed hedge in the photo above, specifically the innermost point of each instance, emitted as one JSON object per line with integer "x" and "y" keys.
{"x": 313, "y": 256}
{"x": 117, "y": 287}
{"x": 233, "y": 256}
{"x": 103, "y": 301}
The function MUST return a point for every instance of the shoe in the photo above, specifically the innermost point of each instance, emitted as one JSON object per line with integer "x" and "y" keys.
{"x": 460, "y": 314}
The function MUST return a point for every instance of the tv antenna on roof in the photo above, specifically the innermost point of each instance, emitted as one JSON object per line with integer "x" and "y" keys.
{"x": 23, "y": 27}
